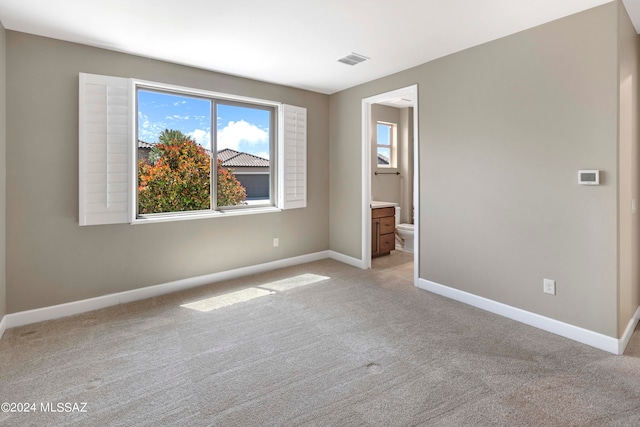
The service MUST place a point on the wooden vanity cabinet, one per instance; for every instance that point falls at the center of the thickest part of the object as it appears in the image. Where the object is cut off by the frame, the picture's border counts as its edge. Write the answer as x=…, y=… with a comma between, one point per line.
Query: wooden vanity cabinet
x=383, y=228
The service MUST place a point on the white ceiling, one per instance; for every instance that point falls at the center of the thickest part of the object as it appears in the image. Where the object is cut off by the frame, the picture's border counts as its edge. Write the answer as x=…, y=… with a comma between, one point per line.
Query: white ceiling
x=289, y=42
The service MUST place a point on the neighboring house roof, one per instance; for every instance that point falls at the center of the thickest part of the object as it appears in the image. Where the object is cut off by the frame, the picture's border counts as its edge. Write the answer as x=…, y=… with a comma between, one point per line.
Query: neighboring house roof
x=383, y=160
x=237, y=159
x=230, y=158
x=147, y=145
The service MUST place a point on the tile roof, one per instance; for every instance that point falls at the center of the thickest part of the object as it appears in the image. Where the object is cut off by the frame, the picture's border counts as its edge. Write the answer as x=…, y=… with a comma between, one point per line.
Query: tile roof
x=230, y=158
x=238, y=159
x=147, y=145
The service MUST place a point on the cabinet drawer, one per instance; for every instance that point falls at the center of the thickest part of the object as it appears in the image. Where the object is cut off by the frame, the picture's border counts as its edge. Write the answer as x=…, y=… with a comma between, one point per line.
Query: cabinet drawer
x=382, y=212
x=387, y=225
x=387, y=242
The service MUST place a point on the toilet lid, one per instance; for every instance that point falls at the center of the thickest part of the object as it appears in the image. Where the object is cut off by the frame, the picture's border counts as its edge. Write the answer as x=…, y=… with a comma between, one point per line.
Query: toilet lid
x=408, y=227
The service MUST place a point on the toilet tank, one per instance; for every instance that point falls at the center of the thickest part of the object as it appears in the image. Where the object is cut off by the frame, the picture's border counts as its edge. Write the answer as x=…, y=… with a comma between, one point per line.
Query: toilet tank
x=397, y=215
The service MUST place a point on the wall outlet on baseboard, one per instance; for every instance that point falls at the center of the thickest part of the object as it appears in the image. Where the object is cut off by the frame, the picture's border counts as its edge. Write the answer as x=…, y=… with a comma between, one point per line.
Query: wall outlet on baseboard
x=276, y=242
x=549, y=286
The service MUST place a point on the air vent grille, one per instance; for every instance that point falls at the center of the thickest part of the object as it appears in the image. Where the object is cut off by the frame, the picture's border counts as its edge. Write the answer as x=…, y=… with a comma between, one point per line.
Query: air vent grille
x=353, y=59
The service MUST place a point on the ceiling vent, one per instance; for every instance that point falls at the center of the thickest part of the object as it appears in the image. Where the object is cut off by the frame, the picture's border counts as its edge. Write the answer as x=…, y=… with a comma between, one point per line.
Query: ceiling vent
x=353, y=59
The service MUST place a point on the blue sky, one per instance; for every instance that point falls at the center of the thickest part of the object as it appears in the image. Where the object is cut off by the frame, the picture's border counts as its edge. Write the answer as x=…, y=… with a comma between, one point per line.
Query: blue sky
x=384, y=134
x=384, y=137
x=238, y=128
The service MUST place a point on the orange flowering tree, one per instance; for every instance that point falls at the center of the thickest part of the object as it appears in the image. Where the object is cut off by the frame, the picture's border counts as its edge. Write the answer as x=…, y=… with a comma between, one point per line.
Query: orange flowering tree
x=230, y=191
x=177, y=178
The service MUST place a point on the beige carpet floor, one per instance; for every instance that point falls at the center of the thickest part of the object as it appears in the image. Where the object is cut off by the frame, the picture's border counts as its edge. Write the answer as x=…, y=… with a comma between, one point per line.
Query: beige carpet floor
x=320, y=344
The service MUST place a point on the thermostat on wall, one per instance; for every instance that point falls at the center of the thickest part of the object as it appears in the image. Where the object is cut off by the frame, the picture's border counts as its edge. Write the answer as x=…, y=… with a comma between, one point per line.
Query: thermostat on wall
x=589, y=177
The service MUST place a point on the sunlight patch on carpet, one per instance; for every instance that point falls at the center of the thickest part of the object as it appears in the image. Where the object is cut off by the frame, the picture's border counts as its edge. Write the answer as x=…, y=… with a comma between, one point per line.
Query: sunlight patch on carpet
x=226, y=300
x=294, y=282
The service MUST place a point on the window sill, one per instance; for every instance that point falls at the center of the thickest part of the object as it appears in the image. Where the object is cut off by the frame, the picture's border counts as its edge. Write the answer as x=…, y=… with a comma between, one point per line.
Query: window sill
x=205, y=215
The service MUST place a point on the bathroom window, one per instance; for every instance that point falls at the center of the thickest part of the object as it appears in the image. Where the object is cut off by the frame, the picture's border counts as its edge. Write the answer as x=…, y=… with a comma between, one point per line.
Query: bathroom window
x=386, y=145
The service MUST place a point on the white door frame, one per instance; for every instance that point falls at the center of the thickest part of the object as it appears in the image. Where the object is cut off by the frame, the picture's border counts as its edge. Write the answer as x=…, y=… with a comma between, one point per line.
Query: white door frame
x=409, y=91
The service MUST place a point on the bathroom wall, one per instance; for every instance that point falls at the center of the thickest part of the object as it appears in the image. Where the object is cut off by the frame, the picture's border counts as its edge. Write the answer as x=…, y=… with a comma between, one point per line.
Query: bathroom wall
x=394, y=188
x=384, y=187
x=405, y=137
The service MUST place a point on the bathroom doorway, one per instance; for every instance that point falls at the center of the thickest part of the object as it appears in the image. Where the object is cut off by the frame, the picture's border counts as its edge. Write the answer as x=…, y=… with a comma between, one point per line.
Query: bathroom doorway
x=390, y=171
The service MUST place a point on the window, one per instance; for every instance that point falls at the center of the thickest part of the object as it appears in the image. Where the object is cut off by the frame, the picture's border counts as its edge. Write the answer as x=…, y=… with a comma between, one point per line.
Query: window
x=184, y=166
x=385, y=145
x=149, y=151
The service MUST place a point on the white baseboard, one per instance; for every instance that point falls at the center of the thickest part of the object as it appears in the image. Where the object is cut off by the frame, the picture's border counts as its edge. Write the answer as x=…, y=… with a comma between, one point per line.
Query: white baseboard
x=628, y=332
x=76, y=307
x=585, y=336
x=3, y=325
x=355, y=262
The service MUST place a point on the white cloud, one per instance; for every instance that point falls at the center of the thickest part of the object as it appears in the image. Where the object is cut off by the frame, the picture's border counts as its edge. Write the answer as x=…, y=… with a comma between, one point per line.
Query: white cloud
x=202, y=137
x=177, y=117
x=235, y=132
x=148, y=131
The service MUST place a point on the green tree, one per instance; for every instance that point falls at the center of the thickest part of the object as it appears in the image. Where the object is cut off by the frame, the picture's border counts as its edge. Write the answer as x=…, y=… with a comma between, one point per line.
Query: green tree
x=177, y=178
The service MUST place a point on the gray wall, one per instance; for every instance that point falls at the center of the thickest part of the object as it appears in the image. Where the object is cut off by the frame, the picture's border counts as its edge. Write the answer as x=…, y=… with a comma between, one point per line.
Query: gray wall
x=629, y=289
x=51, y=260
x=504, y=128
x=3, y=168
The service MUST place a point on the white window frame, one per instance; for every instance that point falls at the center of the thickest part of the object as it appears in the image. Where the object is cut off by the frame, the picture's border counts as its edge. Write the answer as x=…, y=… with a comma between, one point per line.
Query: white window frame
x=289, y=162
x=216, y=99
x=393, y=154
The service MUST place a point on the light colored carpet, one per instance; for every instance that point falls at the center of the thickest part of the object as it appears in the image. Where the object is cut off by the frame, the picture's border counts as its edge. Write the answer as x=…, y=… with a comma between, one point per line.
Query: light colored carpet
x=321, y=344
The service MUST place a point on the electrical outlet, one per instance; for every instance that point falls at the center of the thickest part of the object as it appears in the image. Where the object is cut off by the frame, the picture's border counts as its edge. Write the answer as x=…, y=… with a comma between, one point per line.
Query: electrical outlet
x=549, y=286
x=276, y=242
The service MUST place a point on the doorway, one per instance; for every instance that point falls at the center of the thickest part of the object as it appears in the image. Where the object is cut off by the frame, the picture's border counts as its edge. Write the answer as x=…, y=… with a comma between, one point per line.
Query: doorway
x=401, y=98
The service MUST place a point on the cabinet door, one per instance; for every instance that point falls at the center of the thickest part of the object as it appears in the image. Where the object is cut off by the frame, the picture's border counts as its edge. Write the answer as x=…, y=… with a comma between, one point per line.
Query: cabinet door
x=375, y=226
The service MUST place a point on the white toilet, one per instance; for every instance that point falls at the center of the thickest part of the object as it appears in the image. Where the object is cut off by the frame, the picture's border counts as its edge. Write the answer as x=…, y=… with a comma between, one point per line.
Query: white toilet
x=405, y=231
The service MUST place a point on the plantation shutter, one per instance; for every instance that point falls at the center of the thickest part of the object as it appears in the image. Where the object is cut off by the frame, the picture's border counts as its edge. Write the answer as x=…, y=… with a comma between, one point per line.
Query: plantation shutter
x=105, y=144
x=293, y=158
